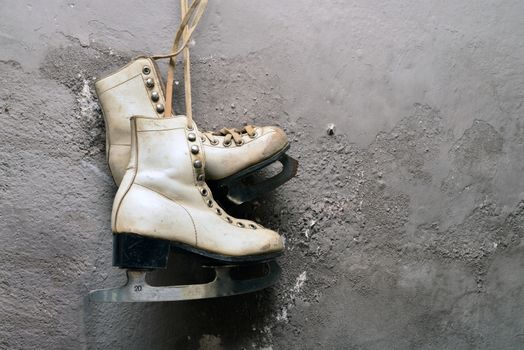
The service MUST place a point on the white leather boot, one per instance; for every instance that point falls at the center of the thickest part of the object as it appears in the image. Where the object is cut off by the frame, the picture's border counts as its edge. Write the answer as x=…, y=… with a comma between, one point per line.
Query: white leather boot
x=163, y=200
x=137, y=89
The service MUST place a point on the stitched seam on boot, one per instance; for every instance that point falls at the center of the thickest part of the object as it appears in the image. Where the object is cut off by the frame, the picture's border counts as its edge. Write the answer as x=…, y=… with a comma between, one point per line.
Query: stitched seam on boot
x=132, y=181
x=133, y=61
x=180, y=205
x=117, y=85
x=160, y=130
x=108, y=141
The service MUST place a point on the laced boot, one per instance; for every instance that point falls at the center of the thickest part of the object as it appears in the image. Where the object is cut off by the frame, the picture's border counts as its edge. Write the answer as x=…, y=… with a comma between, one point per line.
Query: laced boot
x=164, y=201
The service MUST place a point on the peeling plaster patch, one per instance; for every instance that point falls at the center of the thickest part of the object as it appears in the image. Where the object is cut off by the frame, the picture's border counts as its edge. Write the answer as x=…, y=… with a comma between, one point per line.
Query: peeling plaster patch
x=267, y=336
x=209, y=342
x=311, y=224
x=86, y=101
x=297, y=288
x=282, y=315
x=301, y=279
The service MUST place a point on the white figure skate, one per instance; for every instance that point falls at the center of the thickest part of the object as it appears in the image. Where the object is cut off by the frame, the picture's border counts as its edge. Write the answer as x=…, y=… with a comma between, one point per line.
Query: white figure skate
x=163, y=202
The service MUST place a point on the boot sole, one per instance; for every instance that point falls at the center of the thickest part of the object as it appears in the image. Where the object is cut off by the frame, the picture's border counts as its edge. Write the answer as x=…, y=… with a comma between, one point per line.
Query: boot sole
x=139, y=252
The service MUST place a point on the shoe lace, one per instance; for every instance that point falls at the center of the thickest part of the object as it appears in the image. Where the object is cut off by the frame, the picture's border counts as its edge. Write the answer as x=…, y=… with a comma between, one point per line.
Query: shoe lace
x=190, y=18
x=191, y=15
x=230, y=134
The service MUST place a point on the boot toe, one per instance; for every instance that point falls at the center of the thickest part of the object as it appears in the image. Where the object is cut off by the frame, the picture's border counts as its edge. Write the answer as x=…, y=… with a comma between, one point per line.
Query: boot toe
x=275, y=139
x=274, y=242
x=258, y=241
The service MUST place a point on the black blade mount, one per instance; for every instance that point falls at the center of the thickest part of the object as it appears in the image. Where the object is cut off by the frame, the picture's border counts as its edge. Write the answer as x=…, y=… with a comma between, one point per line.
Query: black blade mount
x=238, y=191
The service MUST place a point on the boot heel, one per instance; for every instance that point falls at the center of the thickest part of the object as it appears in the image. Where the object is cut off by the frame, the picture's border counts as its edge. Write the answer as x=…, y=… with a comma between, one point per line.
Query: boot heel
x=138, y=252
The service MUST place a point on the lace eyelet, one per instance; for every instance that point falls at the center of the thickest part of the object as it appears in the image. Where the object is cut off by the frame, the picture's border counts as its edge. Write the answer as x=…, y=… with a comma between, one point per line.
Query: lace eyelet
x=203, y=139
x=241, y=225
x=203, y=192
x=210, y=203
x=228, y=219
x=218, y=211
x=214, y=142
x=239, y=143
x=226, y=144
x=254, y=136
x=252, y=226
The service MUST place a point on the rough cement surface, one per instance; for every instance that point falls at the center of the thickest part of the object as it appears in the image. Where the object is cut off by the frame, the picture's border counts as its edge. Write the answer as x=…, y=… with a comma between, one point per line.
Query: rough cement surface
x=404, y=229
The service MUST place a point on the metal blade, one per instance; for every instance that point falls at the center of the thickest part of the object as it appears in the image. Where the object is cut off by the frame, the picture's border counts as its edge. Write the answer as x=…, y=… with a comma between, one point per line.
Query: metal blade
x=138, y=290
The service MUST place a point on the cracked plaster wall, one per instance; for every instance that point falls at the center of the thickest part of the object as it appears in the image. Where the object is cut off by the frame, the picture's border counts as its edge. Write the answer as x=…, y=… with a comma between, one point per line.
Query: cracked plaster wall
x=403, y=230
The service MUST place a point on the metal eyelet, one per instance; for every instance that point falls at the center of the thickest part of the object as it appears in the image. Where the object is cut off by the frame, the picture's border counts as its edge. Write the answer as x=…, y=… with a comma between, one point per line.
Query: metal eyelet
x=241, y=225
x=203, y=191
x=155, y=96
x=239, y=143
x=146, y=70
x=218, y=211
x=214, y=142
x=228, y=219
x=226, y=144
x=252, y=226
x=201, y=177
x=255, y=135
x=197, y=164
x=210, y=203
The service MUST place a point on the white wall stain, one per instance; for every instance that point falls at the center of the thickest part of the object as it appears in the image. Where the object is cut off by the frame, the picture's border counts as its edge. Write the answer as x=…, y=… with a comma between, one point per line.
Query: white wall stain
x=86, y=101
x=297, y=288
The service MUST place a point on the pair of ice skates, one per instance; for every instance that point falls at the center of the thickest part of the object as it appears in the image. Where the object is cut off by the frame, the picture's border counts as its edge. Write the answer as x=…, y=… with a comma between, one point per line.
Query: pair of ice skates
x=161, y=163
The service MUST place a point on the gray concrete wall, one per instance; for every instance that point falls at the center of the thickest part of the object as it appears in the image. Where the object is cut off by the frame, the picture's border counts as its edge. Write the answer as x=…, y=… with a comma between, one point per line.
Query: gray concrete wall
x=404, y=229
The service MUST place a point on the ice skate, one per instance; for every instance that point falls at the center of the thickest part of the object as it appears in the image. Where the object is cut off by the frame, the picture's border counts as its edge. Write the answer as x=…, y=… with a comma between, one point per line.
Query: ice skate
x=163, y=203
x=233, y=154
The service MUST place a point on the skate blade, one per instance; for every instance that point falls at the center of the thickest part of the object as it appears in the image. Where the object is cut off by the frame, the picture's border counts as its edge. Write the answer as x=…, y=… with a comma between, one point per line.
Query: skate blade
x=239, y=192
x=224, y=284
